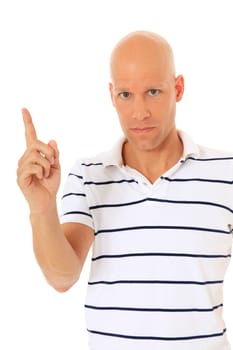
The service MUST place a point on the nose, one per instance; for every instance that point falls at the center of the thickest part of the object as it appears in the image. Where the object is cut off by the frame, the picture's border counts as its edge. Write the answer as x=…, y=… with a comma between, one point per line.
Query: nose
x=140, y=109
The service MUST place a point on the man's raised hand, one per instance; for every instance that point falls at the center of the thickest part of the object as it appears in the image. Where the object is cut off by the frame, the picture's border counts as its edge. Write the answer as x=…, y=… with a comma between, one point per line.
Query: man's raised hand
x=38, y=173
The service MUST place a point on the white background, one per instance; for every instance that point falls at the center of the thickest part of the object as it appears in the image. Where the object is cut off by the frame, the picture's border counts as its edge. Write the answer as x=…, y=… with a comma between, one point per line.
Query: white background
x=54, y=60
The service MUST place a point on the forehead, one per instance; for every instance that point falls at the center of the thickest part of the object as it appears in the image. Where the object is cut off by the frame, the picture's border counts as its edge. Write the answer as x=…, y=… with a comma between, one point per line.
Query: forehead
x=141, y=71
x=141, y=77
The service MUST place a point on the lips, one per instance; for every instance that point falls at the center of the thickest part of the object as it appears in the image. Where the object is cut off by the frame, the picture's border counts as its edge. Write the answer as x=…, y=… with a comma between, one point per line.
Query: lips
x=142, y=130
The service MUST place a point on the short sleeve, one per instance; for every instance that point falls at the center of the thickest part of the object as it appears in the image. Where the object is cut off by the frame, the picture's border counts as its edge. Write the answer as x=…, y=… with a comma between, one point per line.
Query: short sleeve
x=74, y=203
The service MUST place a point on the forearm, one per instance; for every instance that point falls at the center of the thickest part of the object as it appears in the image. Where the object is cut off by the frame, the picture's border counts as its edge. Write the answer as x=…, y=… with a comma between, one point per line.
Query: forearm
x=55, y=255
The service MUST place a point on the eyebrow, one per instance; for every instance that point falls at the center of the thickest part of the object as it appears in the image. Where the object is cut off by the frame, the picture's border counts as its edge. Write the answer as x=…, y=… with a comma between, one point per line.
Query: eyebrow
x=155, y=86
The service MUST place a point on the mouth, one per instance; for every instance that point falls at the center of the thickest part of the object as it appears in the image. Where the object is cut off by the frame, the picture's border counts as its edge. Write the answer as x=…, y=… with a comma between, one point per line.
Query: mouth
x=142, y=130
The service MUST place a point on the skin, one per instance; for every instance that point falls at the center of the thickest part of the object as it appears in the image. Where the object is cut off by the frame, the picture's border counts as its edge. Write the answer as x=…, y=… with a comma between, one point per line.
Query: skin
x=144, y=91
x=59, y=249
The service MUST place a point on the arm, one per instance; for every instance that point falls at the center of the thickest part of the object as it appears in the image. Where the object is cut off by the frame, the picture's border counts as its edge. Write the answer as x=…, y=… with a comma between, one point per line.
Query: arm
x=59, y=249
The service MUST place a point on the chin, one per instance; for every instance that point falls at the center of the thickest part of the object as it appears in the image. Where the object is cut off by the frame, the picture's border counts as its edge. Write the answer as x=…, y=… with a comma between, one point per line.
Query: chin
x=144, y=146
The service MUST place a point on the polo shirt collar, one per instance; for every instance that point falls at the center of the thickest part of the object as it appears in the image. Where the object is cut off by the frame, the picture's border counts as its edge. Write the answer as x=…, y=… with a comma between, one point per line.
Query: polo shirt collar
x=190, y=148
x=113, y=157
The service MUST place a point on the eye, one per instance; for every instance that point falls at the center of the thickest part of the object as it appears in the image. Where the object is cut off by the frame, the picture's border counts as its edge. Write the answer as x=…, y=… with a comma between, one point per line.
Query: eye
x=153, y=92
x=124, y=95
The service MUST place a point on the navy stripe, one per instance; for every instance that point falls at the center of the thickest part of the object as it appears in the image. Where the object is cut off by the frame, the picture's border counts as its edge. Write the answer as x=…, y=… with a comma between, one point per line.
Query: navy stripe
x=106, y=308
x=161, y=228
x=74, y=194
x=109, y=182
x=197, y=179
x=77, y=212
x=115, y=205
x=94, y=207
x=117, y=256
x=91, y=164
x=157, y=338
x=72, y=174
x=209, y=159
x=154, y=282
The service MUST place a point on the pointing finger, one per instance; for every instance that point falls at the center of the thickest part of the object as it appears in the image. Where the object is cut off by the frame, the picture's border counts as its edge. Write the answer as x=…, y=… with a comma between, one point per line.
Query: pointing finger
x=30, y=131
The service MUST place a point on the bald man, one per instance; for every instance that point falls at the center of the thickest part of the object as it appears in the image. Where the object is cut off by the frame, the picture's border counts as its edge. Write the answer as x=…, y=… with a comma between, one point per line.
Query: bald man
x=156, y=210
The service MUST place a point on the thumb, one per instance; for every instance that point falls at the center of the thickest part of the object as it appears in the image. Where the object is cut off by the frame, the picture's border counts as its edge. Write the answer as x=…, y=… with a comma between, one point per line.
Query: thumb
x=53, y=144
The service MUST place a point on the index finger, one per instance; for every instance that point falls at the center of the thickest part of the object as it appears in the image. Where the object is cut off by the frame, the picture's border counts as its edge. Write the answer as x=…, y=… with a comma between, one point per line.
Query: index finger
x=30, y=131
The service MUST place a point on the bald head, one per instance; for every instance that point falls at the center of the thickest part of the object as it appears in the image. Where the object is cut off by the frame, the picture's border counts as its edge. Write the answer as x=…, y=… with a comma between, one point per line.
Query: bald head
x=142, y=50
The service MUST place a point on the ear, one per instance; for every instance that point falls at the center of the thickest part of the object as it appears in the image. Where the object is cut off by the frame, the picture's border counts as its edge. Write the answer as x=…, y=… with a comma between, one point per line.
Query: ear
x=111, y=93
x=179, y=86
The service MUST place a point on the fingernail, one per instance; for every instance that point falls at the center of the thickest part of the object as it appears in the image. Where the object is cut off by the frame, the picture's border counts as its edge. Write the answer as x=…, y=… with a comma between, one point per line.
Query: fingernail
x=52, y=160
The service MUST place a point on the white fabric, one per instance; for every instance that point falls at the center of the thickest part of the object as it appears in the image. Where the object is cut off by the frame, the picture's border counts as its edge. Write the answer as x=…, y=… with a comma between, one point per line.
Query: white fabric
x=161, y=250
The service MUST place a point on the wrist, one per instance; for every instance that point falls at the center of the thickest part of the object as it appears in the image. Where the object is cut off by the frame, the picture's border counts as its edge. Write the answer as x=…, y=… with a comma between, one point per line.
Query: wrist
x=47, y=211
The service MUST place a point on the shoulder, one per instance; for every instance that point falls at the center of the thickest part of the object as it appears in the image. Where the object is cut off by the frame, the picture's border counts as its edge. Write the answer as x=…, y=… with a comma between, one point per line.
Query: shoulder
x=206, y=161
x=193, y=150
x=86, y=167
x=102, y=160
x=208, y=153
x=214, y=163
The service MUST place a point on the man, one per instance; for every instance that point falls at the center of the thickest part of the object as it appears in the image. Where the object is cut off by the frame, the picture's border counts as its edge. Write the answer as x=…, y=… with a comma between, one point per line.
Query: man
x=157, y=209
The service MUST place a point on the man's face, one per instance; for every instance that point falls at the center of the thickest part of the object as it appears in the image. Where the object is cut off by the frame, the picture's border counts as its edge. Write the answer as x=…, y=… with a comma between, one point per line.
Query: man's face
x=145, y=97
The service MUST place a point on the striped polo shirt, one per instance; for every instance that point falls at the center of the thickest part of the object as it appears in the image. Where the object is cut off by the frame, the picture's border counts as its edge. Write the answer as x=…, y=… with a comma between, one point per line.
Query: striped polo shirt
x=160, y=252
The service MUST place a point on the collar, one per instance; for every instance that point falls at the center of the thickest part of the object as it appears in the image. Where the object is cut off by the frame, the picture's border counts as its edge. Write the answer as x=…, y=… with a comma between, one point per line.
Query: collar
x=190, y=148
x=113, y=157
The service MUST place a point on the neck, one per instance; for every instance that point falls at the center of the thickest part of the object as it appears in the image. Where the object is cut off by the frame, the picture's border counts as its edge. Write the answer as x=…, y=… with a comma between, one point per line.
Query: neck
x=153, y=163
